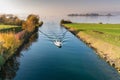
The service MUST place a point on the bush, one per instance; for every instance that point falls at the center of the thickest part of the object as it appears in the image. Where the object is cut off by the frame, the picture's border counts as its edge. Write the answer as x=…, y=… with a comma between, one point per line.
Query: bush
x=9, y=42
x=65, y=21
x=31, y=23
x=100, y=23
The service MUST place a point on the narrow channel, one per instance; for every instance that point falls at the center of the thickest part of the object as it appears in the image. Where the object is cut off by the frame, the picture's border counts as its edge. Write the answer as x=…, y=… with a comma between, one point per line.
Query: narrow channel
x=73, y=61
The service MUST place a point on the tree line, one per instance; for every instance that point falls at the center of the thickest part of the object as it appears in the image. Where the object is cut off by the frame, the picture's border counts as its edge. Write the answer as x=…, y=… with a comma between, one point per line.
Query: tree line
x=9, y=19
x=29, y=24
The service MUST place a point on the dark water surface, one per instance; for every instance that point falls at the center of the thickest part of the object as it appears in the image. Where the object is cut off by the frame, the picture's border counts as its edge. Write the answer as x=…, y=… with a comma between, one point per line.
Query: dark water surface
x=44, y=61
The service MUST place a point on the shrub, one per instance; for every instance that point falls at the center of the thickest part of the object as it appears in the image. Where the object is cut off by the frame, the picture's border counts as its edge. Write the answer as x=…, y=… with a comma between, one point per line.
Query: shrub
x=65, y=21
x=100, y=23
x=10, y=43
x=31, y=23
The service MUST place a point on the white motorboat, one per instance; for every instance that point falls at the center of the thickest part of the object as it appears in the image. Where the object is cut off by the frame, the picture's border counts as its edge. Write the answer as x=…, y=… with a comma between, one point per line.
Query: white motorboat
x=58, y=43
x=56, y=39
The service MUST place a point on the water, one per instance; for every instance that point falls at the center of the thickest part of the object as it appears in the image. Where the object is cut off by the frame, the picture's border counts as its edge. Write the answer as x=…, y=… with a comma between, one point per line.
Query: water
x=42, y=60
x=88, y=19
x=96, y=19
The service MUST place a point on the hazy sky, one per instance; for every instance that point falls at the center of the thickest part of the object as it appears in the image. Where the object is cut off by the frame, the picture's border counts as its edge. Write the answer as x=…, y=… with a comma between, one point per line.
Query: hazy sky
x=58, y=7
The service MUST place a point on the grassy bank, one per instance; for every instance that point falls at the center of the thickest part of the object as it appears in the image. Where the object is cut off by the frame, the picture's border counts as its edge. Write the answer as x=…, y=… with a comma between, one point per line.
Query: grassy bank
x=9, y=28
x=8, y=41
x=106, y=32
x=103, y=38
x=6, y=26
x=12, y=38
x=8, y=36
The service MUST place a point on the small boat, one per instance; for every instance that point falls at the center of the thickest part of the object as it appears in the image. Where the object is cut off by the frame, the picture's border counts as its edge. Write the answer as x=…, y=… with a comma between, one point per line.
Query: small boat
x=58, y=43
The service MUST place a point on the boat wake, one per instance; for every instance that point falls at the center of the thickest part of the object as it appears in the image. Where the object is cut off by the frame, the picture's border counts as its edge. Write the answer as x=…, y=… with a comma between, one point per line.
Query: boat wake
x=57, y=39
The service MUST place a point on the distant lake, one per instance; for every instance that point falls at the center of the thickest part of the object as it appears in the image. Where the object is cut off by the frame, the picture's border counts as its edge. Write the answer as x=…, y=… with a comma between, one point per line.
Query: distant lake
x=87, y=19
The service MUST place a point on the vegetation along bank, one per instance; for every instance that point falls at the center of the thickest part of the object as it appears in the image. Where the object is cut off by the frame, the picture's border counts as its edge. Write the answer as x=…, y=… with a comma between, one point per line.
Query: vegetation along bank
x=103, y=38
x=14, y=33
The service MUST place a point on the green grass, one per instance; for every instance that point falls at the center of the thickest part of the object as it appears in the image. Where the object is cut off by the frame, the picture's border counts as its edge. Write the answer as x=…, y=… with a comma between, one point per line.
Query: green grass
x=8, y=28
x=106, y=32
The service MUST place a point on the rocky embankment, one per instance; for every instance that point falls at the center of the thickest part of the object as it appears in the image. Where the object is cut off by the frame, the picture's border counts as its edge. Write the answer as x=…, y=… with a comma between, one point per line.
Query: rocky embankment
x=109, y=52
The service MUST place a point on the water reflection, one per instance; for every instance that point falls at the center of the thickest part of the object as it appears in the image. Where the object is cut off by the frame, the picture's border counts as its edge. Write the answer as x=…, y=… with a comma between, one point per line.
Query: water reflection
x=32, y=39
x=9, y=69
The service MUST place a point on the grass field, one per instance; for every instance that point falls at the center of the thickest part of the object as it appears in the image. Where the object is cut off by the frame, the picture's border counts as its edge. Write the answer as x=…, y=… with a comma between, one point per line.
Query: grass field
x=5, y=26
x=8, y=28
x=107, y=32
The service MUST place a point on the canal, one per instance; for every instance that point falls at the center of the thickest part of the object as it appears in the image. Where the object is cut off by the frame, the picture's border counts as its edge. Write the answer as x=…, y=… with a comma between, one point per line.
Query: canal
x=43, y=60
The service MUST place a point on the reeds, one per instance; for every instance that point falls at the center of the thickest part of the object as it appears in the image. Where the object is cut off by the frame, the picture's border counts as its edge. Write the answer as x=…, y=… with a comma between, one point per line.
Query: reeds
x=9, y=43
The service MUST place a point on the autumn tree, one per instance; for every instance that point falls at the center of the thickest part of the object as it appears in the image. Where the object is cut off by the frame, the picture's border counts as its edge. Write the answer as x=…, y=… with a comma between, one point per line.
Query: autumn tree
x=31, y=23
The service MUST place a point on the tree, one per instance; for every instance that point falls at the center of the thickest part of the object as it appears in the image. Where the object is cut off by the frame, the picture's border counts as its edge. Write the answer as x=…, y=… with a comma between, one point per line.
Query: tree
x=31, y=23
x=10, y=20
x=2, y=19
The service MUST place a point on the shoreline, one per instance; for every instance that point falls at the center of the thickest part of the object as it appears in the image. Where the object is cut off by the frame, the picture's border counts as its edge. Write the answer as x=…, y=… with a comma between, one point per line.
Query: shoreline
x=25, y=41
x=103, y=49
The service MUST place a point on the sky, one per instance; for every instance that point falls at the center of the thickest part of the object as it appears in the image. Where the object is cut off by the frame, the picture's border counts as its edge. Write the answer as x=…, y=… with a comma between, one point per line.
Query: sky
x=58, y=7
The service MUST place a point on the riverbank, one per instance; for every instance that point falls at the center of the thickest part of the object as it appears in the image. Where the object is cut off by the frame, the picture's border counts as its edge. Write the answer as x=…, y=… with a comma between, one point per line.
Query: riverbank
x=103, y=38
x=13, y=62
x=19, y=40
x=12, y=39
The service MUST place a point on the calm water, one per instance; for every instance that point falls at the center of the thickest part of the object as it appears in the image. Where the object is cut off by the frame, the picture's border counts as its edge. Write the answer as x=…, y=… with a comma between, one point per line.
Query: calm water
x=42, y=60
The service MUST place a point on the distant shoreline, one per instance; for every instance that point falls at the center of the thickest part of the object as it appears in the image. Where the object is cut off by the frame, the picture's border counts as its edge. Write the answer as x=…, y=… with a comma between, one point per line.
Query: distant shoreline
x=90, y=14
